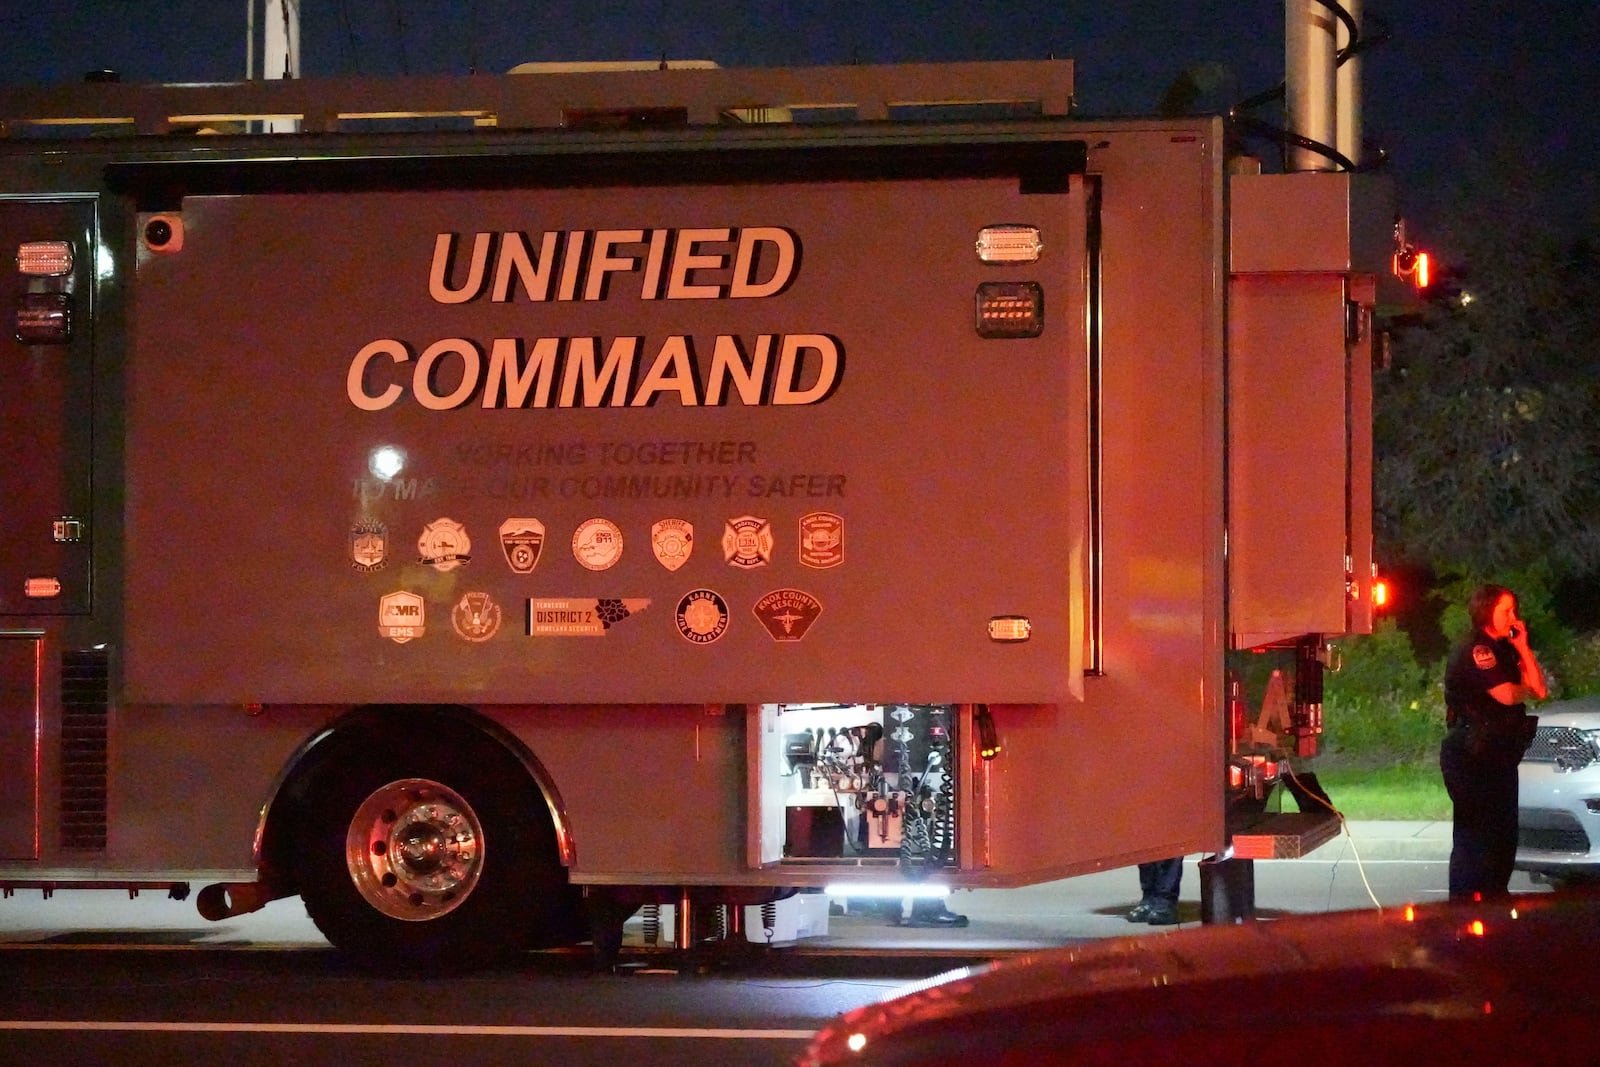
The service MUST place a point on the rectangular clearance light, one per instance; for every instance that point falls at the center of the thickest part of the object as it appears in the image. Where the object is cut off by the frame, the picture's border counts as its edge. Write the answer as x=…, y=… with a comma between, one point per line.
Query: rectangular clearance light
x=1010, y=628
x=1010, y=309
x=1009, y=244
x=44, y=319
x=44, y=259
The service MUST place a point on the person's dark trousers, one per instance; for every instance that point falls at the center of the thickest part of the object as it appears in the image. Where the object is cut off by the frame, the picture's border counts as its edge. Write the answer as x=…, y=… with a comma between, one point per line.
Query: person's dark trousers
x=1483, y=792
x=1159, y=880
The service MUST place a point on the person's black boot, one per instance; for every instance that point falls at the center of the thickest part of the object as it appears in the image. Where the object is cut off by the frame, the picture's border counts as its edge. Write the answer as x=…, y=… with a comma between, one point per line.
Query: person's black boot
x=1163, y=913
x=931, y=912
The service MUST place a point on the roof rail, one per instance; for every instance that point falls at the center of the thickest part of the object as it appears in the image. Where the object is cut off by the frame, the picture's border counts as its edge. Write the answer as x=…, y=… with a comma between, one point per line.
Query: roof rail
x=705, y=96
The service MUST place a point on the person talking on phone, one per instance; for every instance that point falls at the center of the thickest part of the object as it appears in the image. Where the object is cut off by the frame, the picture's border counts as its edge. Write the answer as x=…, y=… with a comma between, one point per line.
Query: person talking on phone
x=1487, y=684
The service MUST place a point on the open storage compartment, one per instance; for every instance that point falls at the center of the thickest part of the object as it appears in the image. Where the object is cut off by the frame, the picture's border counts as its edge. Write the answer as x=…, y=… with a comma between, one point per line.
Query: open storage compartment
x=856, y=785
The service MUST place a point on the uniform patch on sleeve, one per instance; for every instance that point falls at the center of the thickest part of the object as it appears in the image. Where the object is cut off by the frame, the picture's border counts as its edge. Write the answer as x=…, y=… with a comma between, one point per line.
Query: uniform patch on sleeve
x=1483, y=656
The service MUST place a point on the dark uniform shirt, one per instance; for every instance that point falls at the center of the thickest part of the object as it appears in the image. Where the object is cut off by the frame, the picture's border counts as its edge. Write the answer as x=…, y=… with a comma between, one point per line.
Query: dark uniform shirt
x=1478, y=666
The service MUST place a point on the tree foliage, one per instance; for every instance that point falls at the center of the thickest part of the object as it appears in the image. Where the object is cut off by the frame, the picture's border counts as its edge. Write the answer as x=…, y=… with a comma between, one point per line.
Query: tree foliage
x=1487, y=425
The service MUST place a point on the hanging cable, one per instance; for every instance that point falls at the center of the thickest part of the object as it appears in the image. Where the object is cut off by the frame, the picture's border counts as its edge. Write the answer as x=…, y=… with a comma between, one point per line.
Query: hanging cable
x=1244, y=126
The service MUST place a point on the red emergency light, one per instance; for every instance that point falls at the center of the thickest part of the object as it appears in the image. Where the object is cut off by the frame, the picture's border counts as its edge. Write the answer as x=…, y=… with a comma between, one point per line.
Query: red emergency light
x=1410, y=263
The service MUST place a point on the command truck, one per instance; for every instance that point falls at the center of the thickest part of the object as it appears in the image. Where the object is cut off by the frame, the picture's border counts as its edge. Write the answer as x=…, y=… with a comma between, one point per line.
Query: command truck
x=498, y=497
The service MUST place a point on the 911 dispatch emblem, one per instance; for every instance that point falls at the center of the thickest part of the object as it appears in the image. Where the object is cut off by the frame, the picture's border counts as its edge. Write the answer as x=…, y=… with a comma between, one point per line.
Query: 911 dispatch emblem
x=788, y=613
x=597, y=544
x=821, y=539
x=747, y=541
x=702, y=616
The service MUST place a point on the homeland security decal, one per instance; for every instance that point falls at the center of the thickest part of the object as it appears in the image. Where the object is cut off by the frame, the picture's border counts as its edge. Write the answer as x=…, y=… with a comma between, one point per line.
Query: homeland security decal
x=574, y=617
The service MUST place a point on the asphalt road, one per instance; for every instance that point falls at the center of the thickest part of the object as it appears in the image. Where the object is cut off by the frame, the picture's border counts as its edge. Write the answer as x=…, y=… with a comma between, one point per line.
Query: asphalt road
x=97, y=978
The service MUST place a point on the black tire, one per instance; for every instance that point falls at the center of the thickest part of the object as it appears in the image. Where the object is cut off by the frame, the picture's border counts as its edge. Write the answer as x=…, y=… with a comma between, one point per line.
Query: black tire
x=427, y=853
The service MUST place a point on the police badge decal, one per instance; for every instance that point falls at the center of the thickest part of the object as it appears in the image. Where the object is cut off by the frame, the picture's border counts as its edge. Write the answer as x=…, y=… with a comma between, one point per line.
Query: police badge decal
x=672, y=540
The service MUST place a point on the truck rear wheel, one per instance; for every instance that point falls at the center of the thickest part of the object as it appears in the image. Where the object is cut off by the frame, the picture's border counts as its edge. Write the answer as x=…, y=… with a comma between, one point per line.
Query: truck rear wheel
x=430, y=854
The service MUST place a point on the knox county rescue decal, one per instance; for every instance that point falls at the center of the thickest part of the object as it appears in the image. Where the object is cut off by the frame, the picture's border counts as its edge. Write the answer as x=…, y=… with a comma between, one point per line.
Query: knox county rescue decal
x=752, y=263
x=787, y=613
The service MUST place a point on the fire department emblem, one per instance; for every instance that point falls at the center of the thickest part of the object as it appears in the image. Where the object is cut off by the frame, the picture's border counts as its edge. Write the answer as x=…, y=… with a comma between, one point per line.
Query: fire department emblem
x=444, y=545
x=1483, y=657
x=521, y=540
x=702, y=616
x=400, y=616
x=788, y=613
x=369, y=546
x=476, y=617
x=747, y=541
x=672, y=540
x=597, y=544
x=821, y=539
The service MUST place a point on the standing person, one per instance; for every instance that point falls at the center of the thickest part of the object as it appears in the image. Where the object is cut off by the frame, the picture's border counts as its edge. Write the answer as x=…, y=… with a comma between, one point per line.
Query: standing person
x=1158, y=887
x=1486, y=686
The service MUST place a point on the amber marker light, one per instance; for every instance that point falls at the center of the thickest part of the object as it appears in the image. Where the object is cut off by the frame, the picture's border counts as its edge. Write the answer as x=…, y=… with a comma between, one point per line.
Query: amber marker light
x=44, y=259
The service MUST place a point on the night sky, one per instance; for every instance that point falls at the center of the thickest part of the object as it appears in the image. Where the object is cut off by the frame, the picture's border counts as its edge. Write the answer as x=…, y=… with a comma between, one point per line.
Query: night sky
x=1460, y=80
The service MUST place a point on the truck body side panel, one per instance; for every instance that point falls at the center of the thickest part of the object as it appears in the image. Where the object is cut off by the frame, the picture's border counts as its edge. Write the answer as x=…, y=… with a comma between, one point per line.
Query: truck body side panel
x=931, y=460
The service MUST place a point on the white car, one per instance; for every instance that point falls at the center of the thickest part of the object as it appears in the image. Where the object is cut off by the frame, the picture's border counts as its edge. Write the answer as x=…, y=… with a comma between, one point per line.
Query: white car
x=1558, y=804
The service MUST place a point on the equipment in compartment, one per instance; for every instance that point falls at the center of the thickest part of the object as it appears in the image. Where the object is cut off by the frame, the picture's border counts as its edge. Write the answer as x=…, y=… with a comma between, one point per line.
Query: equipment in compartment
x=869, y=780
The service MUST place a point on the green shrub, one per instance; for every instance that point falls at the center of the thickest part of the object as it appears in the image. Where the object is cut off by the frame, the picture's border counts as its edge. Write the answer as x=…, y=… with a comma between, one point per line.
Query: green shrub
x=1577, y=668
x=1382, y=706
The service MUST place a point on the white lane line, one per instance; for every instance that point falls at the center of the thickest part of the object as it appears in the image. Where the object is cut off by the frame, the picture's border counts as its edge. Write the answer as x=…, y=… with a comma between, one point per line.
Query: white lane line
x=380, y=1029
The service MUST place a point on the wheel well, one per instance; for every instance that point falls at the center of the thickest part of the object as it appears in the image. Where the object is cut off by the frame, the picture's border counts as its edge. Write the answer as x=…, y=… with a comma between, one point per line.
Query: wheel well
x=326, y=751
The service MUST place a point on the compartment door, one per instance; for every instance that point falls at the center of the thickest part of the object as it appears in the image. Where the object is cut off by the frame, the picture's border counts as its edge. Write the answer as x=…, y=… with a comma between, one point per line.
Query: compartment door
x=45, y=413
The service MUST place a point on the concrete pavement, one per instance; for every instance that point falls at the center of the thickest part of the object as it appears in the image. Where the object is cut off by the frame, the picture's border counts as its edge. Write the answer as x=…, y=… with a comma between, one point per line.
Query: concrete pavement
x=1373, y=864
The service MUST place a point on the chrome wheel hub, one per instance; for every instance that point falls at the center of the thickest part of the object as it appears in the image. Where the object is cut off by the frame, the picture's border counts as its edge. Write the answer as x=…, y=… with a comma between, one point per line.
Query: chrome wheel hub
x=415, y=849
